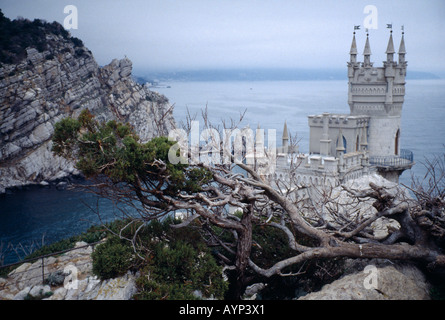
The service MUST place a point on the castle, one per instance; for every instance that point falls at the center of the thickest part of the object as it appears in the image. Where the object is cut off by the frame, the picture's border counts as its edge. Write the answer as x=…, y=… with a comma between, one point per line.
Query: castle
x=348, y=146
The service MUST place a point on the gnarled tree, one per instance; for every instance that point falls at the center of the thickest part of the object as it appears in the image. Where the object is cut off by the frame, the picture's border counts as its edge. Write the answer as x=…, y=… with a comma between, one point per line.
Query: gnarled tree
x=140, y=175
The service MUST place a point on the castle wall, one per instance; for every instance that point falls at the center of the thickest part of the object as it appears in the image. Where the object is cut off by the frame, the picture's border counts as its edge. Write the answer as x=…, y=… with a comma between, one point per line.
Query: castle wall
x=382, y=136
x=351, y=128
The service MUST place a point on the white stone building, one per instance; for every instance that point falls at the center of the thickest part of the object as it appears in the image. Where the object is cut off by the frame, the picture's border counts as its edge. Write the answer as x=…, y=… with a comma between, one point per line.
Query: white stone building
x=348, y=146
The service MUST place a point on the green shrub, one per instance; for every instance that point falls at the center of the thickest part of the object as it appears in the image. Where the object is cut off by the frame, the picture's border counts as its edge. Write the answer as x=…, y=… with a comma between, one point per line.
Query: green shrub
x=158, y=290
x=17, y=35
x=177, y=263
x=112, y=258
x=77, y=42
x=176, y=270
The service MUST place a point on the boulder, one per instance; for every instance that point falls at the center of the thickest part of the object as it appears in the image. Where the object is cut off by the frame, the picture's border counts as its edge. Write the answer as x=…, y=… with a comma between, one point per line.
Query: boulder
x=39, y=292
x=121, y=288
x=386, y=282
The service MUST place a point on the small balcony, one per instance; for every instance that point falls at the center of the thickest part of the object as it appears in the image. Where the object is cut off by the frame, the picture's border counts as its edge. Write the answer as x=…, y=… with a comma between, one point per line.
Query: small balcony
x=403, y=161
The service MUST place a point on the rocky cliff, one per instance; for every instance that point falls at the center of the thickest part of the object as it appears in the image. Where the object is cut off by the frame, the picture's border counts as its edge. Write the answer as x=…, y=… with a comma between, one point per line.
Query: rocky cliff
x=57, y=80
x=68, y=277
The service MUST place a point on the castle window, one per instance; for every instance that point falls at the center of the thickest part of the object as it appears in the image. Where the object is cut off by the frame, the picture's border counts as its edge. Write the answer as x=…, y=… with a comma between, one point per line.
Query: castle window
x=357, y=144
x=396, y=143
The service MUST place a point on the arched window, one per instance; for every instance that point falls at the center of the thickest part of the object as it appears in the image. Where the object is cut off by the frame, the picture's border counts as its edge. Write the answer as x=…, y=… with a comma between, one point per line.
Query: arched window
x=357, y=144
x=396, y=143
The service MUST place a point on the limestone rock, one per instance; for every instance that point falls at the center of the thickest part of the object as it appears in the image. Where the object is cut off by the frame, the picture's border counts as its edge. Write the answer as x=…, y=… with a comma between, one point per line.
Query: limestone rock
x=68, y=277
x=122, y=288
x=376, y=283
x=60, y=82
x=22, y=294
x=251, y=291
x=40, y=291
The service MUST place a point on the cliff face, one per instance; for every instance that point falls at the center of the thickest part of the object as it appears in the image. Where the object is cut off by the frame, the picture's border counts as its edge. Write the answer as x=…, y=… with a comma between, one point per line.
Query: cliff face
x=58, y=82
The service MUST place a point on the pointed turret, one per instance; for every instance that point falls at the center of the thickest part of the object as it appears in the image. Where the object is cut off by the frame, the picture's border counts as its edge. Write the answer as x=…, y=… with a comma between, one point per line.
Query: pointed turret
x=340, y=145
x=353, y=51
x=402, y=50
x=390, y=49
x=285, y=132
x=353, y=45
x=352, y=64
x=389, y=72
x=285, y=138
x=367, y=52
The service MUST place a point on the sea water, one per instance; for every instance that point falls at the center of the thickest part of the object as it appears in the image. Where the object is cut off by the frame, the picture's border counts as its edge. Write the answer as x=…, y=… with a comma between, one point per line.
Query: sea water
x=37, y=215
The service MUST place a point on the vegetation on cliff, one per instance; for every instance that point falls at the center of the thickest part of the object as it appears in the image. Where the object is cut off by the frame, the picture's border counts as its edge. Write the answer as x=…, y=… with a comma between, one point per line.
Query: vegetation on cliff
x=321, y=230
x=47, y=75
x=17, y=35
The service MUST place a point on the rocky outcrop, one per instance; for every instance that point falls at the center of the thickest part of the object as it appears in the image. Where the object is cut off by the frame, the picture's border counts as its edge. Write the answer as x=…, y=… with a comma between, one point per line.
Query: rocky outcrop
x=384, y=281
x=66, y=277
x=60, y=82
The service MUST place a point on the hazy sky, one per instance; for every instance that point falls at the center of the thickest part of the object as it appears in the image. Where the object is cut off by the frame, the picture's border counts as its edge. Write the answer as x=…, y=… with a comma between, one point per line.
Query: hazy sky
x=190, y=34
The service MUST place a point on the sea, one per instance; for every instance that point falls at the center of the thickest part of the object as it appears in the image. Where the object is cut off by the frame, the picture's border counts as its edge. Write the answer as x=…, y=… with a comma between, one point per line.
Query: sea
x=34, y=215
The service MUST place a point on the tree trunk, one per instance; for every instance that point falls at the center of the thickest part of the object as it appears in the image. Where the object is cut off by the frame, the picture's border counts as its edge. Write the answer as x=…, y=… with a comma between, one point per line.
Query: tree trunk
x=243, y=250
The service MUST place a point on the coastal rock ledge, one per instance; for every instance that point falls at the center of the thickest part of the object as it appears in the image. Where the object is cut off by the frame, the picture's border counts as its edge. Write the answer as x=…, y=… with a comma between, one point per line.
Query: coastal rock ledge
x=70, y=277
x=67, y=277
x=378, y=280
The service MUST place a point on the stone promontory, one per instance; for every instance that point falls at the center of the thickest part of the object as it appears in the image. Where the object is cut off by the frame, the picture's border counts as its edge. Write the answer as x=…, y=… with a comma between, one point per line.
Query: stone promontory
x=60, y=80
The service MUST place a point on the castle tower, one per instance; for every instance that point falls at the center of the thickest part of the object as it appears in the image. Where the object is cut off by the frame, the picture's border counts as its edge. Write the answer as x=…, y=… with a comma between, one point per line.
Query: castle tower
x=379, y=93
x=348, y=146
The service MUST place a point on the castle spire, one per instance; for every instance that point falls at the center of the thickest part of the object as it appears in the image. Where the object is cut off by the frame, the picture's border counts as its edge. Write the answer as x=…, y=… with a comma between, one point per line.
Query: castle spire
x=367, y=52
x=390, y=49
x=285, y=138
x=340, y=145
x=285, y=132
x=353, y=51
x=402, y=50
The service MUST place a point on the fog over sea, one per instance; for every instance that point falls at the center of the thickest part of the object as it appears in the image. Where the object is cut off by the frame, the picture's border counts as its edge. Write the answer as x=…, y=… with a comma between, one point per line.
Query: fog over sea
x=27, y=216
